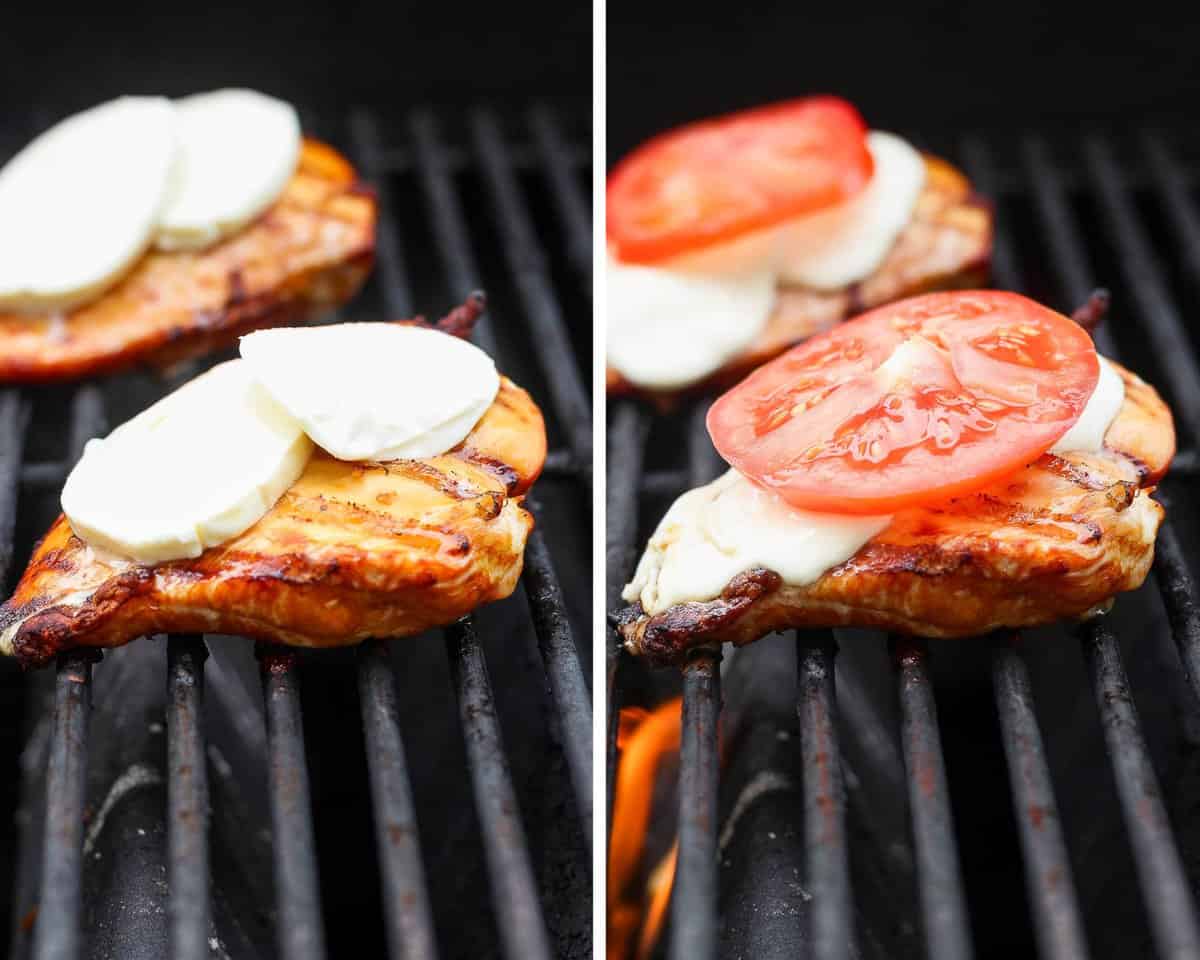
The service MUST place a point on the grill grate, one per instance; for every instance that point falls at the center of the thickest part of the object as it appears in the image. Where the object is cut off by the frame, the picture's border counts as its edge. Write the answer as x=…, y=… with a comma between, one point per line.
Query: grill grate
x=58, y=933
x=1056, y=916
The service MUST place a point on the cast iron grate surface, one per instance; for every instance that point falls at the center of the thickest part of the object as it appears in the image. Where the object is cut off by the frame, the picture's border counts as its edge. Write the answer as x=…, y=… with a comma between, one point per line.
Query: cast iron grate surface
x=1076, y=747
x=369, y=799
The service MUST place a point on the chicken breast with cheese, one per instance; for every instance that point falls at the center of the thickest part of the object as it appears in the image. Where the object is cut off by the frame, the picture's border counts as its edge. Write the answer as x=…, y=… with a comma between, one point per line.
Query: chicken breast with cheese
x=1054, y=540
x=350, y=550
x=311, y=250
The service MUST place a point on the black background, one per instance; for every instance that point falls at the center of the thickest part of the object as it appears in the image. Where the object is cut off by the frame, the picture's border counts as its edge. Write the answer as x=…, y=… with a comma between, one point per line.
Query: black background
x=930, y=67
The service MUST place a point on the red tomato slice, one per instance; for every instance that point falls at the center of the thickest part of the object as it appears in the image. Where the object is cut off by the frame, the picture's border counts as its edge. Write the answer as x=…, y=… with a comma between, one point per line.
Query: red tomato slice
x=711, y=181
x=914, y=402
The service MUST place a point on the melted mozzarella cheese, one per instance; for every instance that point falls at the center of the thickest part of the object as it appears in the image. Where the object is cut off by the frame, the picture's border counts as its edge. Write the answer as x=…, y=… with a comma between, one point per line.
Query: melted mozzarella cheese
x=188, y=473
x=835, y=248
x=1087, y=433
x=375, y=391
x=672, y=325
x=237, y=151
x=79, y=204
x=670, y=328
x=715, y=532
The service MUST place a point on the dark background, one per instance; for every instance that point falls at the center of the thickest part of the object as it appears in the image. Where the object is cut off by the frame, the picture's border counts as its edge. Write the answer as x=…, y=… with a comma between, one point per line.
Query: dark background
x=322, y=54
x=929, y=67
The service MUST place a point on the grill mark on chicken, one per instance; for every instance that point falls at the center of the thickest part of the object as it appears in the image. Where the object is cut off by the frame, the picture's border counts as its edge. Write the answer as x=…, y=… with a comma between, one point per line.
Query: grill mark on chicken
x=350, y=551
x=1054, y=541
x=309, y=251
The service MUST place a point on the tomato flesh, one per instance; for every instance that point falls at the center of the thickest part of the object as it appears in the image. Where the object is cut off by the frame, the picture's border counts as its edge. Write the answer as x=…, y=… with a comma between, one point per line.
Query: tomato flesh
x=914, y=402
x=712, y=181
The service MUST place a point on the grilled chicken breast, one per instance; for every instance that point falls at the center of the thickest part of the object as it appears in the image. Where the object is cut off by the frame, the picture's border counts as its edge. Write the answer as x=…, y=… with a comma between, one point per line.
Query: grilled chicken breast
x=351, y=551
x=1052, y=541
x=309, y=251
x=946, y=246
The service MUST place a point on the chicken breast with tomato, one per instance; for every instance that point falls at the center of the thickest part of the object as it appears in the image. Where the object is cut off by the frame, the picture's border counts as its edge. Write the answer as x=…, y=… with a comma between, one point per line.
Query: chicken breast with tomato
x=941, y=467
x=732, y=239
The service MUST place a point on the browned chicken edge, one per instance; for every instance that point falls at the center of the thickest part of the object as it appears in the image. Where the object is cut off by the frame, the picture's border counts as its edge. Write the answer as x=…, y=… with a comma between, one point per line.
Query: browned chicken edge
x=1004, y=557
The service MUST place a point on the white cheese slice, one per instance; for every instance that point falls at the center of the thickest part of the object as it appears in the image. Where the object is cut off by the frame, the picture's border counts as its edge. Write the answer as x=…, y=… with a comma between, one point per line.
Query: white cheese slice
x=1087, y=433
x=188, y=473
x=237, y=151
x=713, y=533
x=837, y=247
x=79, y=204
x=375, y=391
x=668, y=328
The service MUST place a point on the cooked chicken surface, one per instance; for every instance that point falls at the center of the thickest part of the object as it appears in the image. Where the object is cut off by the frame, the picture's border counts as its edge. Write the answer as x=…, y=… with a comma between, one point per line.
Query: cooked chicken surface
x=1056, y=540
x=351, y=551
x=946, y=246
x=311, y=250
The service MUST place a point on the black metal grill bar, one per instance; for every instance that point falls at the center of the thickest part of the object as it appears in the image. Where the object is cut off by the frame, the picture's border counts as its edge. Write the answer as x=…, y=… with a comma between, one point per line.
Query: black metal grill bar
x=939, y=876
x=1057, y=921
x=561, y=659
x=824, y=796
x=1166, y=893
x=573, y=208
x=14, y=418
x=694, y=898
x=456, y=159
x=301, y=932
x=58, y=934
x=518, y=911
x=1172, y=183
x=627, y=429
x=390, y=263
x=1160, y=316
x=187, y=799
x=981, y=168
x=528, y=265
x=1180, y=600
x=405, y=891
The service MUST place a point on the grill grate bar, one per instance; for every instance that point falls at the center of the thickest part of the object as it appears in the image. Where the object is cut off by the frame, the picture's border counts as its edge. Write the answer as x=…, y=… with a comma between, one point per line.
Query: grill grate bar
x=573, y=209
x=389, y=260
x=187, y=799
x=405, y=892
x=528, y=265
x=1160, y=315
x=518, y=911
x=694, y=898
x=298, y=903
x=1180, y=599
x=58, y=934
x=14, y=419
x=939, y=875
x=1057, y=921
x=561, y=659
x=1172, y=183
x=449, y=222
x=1165, y=890
x=824, y=795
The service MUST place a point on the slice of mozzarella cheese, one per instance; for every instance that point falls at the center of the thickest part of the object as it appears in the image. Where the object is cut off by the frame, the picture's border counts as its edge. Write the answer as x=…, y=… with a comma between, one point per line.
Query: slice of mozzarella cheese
x=670, y=328
x=1087, y=433
x=237, y=151
x=79, y=204
x=715, y=532
x=838, y=247
x=375, y=391
x=190, y=472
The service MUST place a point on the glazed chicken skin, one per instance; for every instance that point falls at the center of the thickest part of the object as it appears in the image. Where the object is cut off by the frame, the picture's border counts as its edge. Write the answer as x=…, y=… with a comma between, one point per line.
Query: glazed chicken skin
x=1054, y=540
x=311, y=250
x=946, y=246
x=350, y=551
